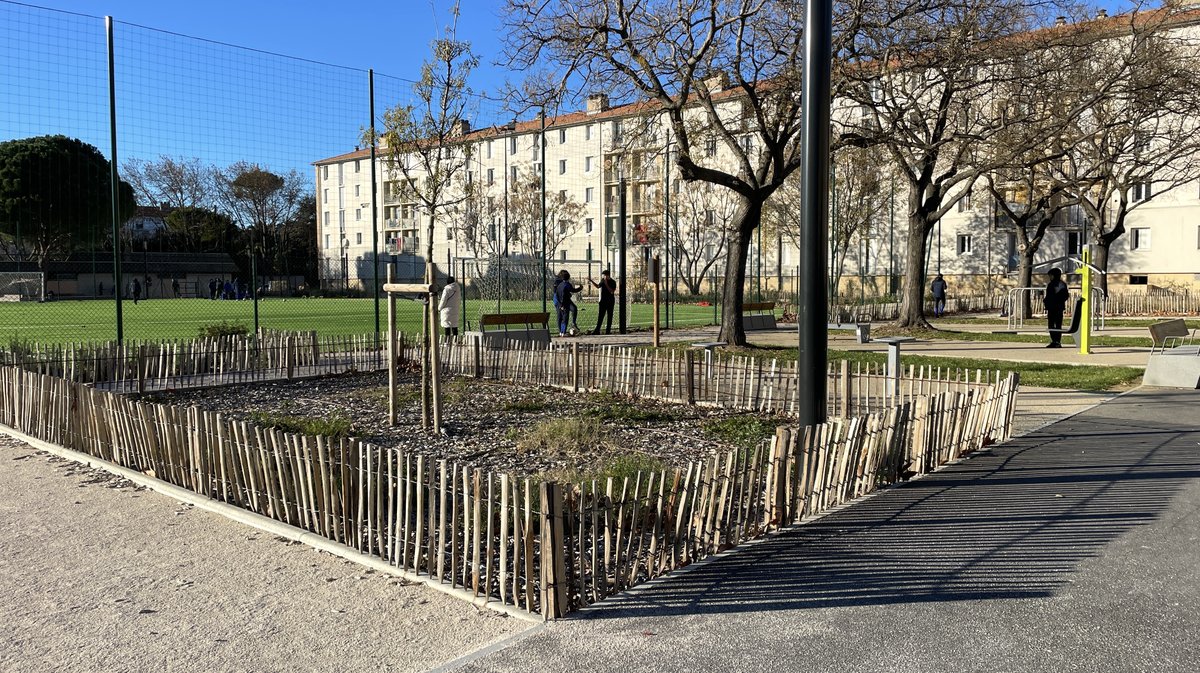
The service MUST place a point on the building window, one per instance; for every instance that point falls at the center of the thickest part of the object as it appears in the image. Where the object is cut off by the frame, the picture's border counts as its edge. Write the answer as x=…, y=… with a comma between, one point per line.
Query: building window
x=358, y=213
x=470, y=177
x=1139, y=238
x=562, y=166
x=710, y=147
x=588, y=194
x=512, y=145
x=587, y=133
x=357, y=168
x=356, y=189
x=1139, y=280
x=1142, y=191
x=491, y=176
x=328, y=221
x=1074, y=242
x=587, y=164
x=587, y=226
x=616, y=131
x=562, y=255
x=325, y=175
x=449, y=234
x=325, y=196
x=562, y=136
x=562, y=196
x=513, y=179
x=964, y=203
x=489, y=148
x=358, y=238
x=964, y=244
x=326, y=241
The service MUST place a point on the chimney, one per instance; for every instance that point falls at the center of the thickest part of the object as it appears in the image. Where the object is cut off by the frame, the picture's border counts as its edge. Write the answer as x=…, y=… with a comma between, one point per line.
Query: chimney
x=718, y=81
x=459, y=128
x=1060, y=21
x=1102, y=14
x=597, y=103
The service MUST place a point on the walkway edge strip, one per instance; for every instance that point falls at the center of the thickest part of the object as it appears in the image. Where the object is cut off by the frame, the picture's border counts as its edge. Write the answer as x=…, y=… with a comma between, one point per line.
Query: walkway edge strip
x=265, y=524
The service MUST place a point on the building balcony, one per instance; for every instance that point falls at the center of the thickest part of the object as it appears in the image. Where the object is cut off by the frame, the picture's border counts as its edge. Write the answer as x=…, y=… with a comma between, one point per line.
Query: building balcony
x=400, y=223
x=408, y=245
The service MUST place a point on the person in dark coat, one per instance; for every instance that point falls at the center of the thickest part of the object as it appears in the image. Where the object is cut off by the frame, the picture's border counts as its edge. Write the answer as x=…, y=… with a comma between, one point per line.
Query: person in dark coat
x=938, y=288
x=567, y=310
x=137, y=290
x=608, y=298
x=1055, y=301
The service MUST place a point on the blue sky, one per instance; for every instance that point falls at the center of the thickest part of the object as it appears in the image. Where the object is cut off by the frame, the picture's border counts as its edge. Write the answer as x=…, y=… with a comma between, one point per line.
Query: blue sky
x=391, y=37
x=282, y=84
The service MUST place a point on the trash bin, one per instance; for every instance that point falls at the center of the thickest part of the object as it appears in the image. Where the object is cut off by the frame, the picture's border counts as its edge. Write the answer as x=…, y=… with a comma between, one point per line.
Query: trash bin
x=862, y=331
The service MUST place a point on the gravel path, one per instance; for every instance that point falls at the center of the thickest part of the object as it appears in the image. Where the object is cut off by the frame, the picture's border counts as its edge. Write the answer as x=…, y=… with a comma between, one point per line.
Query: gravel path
x=99, y=575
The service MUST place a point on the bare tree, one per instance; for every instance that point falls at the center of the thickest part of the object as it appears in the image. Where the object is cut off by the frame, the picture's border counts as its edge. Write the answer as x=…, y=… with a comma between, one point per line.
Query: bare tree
x=562, y=212
x=925, y=83
x=699, y=231
x=170, y=183
x=856, y=202
x=720, y=73
x=1143, y=139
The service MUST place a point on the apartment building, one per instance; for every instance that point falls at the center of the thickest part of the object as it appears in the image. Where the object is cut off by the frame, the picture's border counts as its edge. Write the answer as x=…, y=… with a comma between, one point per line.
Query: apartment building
x=583, y=157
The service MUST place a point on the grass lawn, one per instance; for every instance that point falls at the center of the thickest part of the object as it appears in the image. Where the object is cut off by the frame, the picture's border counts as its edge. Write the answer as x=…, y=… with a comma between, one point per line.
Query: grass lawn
x=1069, y=377
x=84, y=320
x=947, y=331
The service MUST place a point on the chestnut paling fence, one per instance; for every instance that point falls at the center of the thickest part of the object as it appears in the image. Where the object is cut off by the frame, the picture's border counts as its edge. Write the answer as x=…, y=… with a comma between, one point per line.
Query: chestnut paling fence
x=730, y=381
x=544, y=547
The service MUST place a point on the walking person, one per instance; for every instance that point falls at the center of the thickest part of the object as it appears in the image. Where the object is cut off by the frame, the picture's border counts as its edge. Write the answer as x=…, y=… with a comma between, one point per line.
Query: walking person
x=212, y=289
x=449, y=305
x=137, y=290
x=175, y=287
x=939, y=287
x=608, y=299
x=558, y=310
x=1055, y=301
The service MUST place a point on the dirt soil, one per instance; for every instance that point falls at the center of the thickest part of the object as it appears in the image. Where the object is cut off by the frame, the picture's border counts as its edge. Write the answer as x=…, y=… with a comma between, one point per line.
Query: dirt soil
x=490, y=424
x=99, y=575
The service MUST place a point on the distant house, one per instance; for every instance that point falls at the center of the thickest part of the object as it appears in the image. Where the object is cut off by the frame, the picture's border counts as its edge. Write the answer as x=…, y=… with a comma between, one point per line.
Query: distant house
x=146, y=223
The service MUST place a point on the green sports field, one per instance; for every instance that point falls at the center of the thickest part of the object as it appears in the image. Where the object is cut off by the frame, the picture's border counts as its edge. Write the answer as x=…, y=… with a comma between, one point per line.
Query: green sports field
x=87, y=320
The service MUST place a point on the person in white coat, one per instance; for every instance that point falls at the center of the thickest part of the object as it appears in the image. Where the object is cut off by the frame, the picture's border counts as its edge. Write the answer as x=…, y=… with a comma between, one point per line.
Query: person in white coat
x=450, y=305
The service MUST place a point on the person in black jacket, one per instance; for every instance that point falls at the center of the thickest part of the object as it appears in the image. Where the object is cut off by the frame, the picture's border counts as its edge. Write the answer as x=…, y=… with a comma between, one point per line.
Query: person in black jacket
x=608, y=298
x=1055, y=301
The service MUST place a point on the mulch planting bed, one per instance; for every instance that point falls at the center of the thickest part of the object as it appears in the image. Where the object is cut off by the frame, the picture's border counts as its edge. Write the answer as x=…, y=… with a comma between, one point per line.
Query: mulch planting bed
x=497, y=426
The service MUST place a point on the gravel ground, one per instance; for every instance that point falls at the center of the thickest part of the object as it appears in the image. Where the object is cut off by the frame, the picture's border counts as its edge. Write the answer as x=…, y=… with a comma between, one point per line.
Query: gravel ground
x=486, y=423
x=99, y=575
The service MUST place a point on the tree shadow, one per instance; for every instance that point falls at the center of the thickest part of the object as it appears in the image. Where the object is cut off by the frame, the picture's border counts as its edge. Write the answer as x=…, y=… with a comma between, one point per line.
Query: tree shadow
x=1013, y=522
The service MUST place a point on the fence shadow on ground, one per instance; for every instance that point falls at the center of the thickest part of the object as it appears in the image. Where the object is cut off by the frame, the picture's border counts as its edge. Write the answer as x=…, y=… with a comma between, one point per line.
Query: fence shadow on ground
x=1014, y=522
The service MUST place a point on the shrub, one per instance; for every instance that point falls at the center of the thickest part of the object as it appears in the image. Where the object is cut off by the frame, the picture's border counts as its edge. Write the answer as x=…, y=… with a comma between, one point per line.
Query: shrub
x=224, y=328
x=336, y=426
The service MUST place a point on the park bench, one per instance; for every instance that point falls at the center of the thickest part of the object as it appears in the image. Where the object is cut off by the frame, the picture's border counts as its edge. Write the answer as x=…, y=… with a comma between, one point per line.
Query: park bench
x=1170, y=333
x=758, y=315
x=497, y=329
x=1072, y=332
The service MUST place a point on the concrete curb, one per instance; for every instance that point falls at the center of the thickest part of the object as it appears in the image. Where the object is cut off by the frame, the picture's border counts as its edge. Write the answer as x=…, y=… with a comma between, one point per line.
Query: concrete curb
x=265, y=524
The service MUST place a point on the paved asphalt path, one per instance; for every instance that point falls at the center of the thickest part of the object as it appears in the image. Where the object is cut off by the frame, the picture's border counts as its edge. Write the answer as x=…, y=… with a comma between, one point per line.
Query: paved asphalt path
x=1075, y=548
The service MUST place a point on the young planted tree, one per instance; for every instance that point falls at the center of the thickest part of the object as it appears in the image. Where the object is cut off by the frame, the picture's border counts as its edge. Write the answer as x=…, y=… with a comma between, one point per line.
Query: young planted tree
x=55, y=192
x=721, y=74
x=424, y=147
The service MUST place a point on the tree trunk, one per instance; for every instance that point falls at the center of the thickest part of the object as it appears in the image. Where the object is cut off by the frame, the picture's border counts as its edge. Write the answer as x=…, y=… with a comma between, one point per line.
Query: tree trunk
x=1100, y=261
x=1025, y=279
x=745, y=221
x=912, y=305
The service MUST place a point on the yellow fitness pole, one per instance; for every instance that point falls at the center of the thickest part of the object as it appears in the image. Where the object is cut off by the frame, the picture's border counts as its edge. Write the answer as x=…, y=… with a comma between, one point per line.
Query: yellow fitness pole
x=1085, y=316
